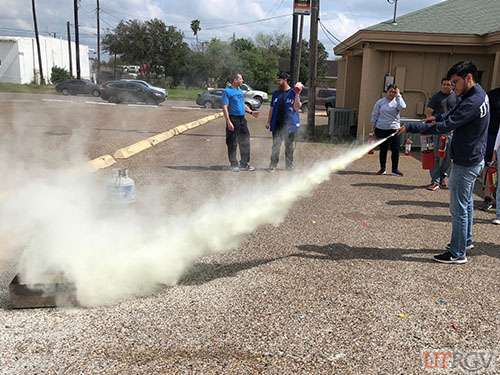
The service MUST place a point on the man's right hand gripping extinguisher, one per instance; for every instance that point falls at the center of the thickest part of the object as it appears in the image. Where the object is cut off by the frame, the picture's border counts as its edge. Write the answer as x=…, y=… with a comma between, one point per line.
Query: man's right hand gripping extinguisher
x=371, y=139
x=442, y=144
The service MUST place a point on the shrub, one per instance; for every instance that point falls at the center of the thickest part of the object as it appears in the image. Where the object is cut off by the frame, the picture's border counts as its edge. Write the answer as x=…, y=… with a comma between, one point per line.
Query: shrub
x=59, y=75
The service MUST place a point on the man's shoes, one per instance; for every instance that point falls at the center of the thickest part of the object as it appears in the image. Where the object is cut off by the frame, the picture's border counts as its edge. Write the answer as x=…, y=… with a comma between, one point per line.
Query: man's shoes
x=469, y=247
x=448, y=257
x=235, y=169
x=443, y=184
x=432, y=186
x=291, y=169
x=247, y=168
x=382, y=171
x=397, y=172
x=487, y=204
x=496, y=220
x=271, y=169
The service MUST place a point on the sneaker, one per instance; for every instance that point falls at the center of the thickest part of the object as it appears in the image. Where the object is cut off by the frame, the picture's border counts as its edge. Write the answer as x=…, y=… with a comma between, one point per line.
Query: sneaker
x=448, y=257
x=487, y=204
x=432, y=186
x=470, y=247
x=271, y=169
x=235, y=169
x=382, y=171
x=291, y=169
x=397, y=172
x=248, y=168
x=443, y=184
x=496, y=220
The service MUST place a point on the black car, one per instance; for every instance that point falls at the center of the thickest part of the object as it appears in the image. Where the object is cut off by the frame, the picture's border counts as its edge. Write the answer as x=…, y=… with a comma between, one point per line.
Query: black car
x=331, y=101
x=78, y=86
x=212, y=98
x=132, y=92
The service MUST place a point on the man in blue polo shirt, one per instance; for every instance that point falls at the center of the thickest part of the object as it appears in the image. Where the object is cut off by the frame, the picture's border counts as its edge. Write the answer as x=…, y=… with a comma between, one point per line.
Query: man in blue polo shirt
x=237, y=134
x=469, y=121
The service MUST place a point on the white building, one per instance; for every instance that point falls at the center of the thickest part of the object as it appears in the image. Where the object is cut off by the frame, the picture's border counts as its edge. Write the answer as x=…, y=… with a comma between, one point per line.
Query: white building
x=19, y=58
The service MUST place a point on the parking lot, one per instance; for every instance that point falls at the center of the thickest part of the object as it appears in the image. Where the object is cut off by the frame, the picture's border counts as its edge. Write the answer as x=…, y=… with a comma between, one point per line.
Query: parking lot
x=342, y=283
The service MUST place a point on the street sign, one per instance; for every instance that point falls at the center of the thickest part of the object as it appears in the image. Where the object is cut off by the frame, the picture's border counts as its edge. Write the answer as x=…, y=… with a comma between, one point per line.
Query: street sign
x=302, y=7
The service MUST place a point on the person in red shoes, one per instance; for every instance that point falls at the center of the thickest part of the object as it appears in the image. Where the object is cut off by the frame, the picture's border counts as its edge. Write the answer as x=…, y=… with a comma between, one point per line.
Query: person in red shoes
x=441, y=102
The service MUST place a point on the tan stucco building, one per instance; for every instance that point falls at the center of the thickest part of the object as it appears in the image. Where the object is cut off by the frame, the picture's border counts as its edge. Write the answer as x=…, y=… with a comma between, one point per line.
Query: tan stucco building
x=416, y=53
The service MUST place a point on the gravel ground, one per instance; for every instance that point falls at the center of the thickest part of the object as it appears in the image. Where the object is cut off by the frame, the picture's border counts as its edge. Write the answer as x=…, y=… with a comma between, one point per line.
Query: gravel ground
x=321, y=293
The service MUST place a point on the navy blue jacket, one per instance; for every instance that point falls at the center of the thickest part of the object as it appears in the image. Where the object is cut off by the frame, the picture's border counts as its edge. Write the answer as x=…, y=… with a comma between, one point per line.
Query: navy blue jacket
x=291, y=115
x=468, y=120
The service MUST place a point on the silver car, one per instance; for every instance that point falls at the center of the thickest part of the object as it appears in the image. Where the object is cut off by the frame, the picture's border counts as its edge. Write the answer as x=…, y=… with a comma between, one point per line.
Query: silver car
x=212, y=98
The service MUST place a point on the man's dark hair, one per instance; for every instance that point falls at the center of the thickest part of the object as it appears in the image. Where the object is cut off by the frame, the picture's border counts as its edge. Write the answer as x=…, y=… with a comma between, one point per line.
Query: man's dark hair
x=391, y=86
x=234, y=76
x=445, y=79
x=463, y=68
x=283, y=75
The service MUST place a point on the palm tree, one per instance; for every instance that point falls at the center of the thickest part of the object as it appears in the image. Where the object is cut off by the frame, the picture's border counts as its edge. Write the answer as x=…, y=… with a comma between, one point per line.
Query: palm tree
x=195, y=26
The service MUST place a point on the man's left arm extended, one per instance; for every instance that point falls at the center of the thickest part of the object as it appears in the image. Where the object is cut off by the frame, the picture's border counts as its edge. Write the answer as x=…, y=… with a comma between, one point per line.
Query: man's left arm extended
x=253, y=113
x=442, y=125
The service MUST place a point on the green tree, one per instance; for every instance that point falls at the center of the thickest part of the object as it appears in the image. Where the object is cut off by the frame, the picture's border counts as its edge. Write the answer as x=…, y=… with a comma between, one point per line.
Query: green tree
x=304, y=61
x=153, y=43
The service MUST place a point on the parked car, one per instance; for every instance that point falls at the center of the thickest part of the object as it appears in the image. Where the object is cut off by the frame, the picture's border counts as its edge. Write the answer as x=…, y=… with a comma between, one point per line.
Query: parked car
x=321, y=95
x=331, y=101
x=147, y=84
x=130, y=91
x=78, y=86
x=212, y=98
x=261, y=96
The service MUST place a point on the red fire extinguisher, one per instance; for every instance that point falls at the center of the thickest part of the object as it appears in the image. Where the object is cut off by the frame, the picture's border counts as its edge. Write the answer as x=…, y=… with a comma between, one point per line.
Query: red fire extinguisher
x=492, y=178
x=427, y=148
x=442, y=144
x=370, y=141
x=408, y=147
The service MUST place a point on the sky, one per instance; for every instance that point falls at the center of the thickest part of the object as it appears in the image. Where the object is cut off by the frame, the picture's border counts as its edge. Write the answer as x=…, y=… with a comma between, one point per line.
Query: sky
x=218, y=18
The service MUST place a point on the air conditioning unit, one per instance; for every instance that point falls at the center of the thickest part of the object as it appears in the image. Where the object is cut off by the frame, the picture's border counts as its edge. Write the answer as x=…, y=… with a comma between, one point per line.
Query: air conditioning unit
x=342, y=122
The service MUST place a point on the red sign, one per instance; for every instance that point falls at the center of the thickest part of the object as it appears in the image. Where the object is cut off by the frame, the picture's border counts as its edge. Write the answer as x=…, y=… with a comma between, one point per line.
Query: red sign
x=302, y=7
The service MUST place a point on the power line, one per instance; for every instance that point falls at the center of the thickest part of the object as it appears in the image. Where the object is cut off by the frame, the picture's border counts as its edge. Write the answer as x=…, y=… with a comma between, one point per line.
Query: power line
x=247, y=23
x=270, y=10
x=328, y=31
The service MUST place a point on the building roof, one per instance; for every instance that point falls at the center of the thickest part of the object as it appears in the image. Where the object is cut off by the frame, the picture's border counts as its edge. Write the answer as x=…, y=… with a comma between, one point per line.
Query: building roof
x=479, y=17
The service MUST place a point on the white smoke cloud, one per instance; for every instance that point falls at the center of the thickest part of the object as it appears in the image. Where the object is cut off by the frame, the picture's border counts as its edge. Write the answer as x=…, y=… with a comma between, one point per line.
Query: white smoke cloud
x=63, y=224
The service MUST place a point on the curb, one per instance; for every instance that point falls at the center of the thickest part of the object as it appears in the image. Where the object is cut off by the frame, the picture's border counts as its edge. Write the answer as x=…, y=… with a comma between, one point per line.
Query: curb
x=106, y=161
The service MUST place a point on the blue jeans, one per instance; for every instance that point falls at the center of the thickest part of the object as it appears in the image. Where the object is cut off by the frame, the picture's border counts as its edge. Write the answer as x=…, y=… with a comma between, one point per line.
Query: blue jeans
x=438, y=173
x=462, y=181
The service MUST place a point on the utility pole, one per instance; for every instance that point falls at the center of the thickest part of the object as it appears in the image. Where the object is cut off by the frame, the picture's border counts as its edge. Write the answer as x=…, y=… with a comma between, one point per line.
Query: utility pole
x=299, y=55
x=42, y=81
x=313, y=60
x=293, y=53
x=98, y=45
x=69, y=48
x=77, y=41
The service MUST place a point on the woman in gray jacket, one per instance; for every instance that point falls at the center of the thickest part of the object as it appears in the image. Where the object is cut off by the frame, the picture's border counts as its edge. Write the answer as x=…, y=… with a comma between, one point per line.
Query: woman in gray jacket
x=385, y=121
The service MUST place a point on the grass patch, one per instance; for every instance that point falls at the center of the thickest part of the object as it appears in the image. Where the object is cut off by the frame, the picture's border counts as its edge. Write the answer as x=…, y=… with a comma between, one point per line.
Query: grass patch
x=27, y=88
x=183, y=94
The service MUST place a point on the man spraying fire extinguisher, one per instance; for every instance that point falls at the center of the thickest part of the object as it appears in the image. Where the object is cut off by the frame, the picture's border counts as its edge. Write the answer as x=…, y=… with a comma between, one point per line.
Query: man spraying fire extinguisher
x=469, y=122
x=441, y=102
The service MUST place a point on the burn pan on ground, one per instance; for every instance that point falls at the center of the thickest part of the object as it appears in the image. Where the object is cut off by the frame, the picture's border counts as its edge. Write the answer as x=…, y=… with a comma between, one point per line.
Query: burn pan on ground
x=52, y=291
